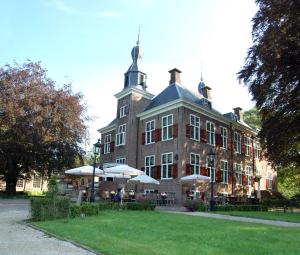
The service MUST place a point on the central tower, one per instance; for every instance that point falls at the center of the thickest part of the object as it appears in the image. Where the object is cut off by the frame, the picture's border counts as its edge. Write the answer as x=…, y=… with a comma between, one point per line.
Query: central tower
x=134, y=77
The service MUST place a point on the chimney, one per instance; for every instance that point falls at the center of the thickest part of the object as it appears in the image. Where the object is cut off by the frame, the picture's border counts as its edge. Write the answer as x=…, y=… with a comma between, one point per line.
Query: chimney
x=175, y=76
x=238, y=111
x=207, y=92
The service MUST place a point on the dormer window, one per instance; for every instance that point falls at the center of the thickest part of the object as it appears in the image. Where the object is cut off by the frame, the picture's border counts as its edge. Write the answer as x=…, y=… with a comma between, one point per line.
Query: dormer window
x=122, y=111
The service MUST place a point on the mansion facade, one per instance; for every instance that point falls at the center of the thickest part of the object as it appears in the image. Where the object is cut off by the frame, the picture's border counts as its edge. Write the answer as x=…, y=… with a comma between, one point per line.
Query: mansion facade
x=169, y=136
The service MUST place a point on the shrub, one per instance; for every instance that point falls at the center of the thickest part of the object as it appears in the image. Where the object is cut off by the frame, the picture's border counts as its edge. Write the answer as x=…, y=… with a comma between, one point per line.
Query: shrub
x=195, y=206
x=90, y=209
x=241, y=208
x=280, y=203
x=139, y=206
x=44, y=208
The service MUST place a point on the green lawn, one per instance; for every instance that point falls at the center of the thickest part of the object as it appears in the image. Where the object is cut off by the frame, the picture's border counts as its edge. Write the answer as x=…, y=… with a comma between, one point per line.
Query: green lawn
x=293, y=217
x=132, y=232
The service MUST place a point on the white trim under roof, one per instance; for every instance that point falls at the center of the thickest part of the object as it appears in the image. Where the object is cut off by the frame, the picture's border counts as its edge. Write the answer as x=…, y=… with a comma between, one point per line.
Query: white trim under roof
x=181, y=102
x=130, y=90
x=107, y=129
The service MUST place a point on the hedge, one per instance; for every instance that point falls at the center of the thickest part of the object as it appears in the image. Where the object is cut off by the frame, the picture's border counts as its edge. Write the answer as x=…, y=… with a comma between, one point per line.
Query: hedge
x=45, y=208
x=280, y=202
x=195, y=206
x=137, y=206
x=240, y=208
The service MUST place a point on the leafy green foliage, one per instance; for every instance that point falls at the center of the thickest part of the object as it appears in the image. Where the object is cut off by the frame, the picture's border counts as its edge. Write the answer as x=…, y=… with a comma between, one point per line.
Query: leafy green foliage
x=138, y=206
x=272, y=73
x=41, y=126
x=195, y=206
x=241, y=208
x=252, y=118
x=289, y=180
x=45, y=208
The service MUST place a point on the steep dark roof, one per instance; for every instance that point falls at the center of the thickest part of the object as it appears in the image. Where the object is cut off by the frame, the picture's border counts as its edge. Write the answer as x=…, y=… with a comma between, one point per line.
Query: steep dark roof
x=173, y=92
x=176, y=91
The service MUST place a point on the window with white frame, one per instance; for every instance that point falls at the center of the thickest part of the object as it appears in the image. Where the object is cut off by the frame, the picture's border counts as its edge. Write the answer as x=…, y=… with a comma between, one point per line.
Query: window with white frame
x=122, y=111
x=166, y=165
x=121, y=160
x=195, y=127
x=20, y=183
x=239, y=173
x=195, y=163
x=247, y=142
x=224, y=170
x=150, y=127
x=107, y=140
x=237, y=141
x=257, y=150
x=270, y=180
x=224, y=136
x=248, y=174
x=211, y=170
x=121, y=135
x=150, y=165
x=36, y=182
x=167, y=127
x=210, y=132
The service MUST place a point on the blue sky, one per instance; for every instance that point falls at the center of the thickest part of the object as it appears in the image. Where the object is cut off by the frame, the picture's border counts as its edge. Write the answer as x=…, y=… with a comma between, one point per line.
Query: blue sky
x=89, y=43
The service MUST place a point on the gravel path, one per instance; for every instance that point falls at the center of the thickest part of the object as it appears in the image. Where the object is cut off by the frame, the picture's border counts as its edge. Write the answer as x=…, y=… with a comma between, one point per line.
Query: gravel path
x=241, y=219
x=18, y=239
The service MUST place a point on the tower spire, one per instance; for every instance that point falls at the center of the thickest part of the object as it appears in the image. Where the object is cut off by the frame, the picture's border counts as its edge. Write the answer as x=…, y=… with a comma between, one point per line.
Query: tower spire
x=138, y=40
x=201, y=78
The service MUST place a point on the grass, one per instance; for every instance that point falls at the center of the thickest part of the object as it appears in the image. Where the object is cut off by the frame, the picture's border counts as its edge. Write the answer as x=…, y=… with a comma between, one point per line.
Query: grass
x=145, y=233
x=292, y=217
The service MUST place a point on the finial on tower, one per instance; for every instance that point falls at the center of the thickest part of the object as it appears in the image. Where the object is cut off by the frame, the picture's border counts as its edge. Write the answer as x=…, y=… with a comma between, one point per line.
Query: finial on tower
x=201, y=79
x=138, y=40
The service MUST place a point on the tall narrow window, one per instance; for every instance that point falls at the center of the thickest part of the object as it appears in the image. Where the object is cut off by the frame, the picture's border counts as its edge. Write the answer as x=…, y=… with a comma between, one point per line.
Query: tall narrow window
x=211, y=170
x=123, y=111
x=167, y=127
x=210, y=130
x=36, y=182
x=195, y=163
x=248, y=174
x=224, y=169
x=150, y=128
x=269, y=180
x=257, y=150
x=224, y=136
x=237, y=141
x=107, y=141
x=239, y=174
x=20, y=183
x=166, y=165
x=121, y=135
x=195, y=127
x=247, y=145
x=150, y=165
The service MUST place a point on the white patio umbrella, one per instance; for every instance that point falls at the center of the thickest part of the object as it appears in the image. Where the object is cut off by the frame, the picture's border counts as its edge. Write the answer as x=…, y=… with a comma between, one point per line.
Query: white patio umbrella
x=124, y=169
x=195, y=177
x=108, y=175
x=144, y=179
x=84, y=170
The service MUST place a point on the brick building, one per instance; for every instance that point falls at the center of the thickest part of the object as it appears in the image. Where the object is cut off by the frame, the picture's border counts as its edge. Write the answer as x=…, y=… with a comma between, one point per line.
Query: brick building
x=169, y=136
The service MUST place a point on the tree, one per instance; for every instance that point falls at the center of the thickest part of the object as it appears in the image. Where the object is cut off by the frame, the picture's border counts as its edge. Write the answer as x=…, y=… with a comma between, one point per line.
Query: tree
x=272, y=74
x=41, y=126
x=252, y=118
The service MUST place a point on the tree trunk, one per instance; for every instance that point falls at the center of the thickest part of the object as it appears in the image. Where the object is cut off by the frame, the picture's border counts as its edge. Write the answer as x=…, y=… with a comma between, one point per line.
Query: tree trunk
x=11, y=186
x=11, y=178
